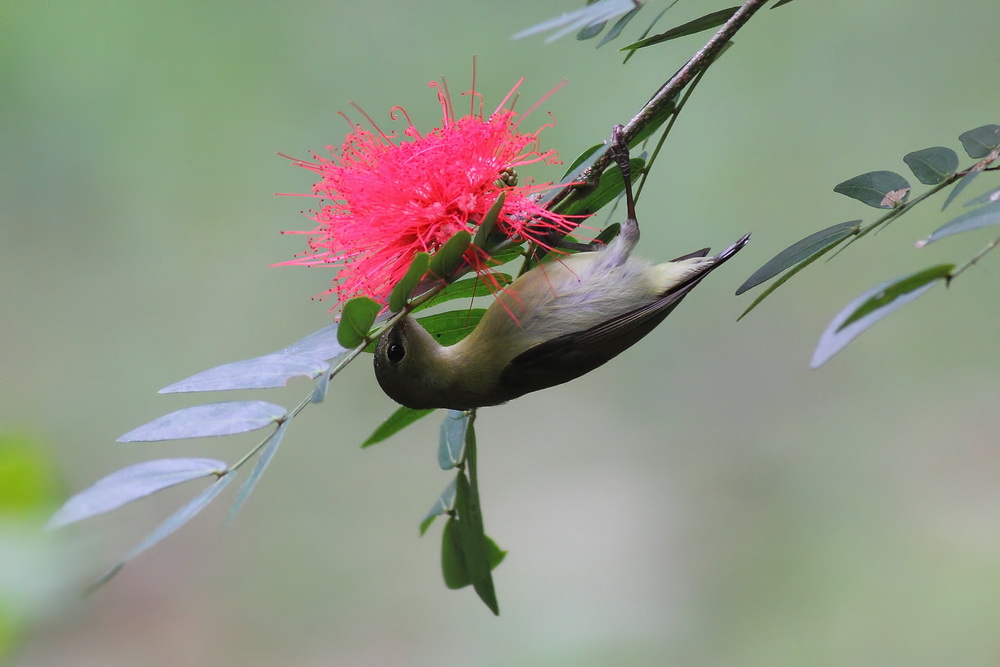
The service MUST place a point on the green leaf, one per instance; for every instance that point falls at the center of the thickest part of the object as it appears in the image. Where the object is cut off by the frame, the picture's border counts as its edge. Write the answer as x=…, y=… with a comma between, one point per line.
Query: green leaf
x=981, y=141
x=396, y=422
x=444, y=504
x=932, y=165
x=984, y=216
x=453, y=567
x=447, y=259
x=453, y=563
x=959, y=186
x=779, y=3
x=468, y=288
x=473, y=543
x=608, y=233
x=404, y=288
x=619, y=25
x=451, y=444
x=356, y=320
x=506, y=255
x=986, y=198
x=489, y=221
x=872, y=306
x=707, y=22
x=591, y=31
x=881, y=189
x=800, y=251
x=451, y=327
x=586, y=156
x=607, y=190
x=785, y=278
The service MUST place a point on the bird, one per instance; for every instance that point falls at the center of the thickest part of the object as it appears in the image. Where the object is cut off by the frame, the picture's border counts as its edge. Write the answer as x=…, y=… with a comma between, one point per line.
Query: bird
x=560, y=320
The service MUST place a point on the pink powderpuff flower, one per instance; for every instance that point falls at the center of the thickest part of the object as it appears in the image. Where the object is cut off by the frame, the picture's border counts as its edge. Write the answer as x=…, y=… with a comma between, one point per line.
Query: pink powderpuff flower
x=386, y=199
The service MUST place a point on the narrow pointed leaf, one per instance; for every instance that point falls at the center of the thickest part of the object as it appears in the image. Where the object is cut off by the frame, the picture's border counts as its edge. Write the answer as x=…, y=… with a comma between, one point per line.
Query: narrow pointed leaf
x=932, y=165
x=596, y=12
x=132, y=483
x=453, y=567
x=986, y=198
x=984, y=216
x=706, y=22
x=962, y=183
x=610, y=187
x=788, y=275
x=451, y=446
x=453, y=563
x=396, y=422
x=619, y=25
x=451, y=327
x=800, y=251
x=591, y=31
x=273, y=441
x=444, y=504
x=356, y=320
x=489, y=221
x=208, y=420
x=585, y=158
x=320, y=344
x=981, y=141
x=872, y=306
x=404, y=288
x=467, y=288
x=171, y=524
x=881, y=189
x=319, y=392
x=473, y=543
x=271, y=370
x=447, y=259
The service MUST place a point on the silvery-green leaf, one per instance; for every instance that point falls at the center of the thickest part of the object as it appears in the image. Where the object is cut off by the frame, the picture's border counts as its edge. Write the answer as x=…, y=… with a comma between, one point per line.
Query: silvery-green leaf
x=208, y=420
x=958, y=187
x=872, y=306
x=445, y=503
x=320, y=344
x=265, y=459
x=132, y=483
x=270, y=370
x=984, y=216
x=986, y=198
x=569, y=22
x=172, y=523
x=319, y=392
x=451, y=448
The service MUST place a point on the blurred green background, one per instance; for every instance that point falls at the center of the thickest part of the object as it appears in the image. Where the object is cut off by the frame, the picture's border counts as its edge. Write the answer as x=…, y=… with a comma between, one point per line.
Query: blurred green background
x=704, y=499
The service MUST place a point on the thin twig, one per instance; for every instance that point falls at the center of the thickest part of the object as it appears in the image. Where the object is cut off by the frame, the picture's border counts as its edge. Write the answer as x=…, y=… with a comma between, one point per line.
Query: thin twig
x=665, y=95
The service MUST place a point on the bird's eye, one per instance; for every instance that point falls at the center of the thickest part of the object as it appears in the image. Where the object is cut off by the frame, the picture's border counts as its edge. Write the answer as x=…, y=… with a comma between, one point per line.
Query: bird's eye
x=395, y=353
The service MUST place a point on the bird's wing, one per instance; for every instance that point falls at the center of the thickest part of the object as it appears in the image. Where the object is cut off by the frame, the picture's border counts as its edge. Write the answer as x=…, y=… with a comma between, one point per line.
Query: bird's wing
x=569, y=356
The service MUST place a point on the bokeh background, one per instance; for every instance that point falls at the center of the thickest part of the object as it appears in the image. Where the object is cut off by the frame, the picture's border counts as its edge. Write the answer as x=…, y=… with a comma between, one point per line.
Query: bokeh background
x=704, y=499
